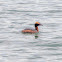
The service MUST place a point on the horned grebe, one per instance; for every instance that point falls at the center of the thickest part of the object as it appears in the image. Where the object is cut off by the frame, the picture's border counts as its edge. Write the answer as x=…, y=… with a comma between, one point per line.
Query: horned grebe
x=31, y=30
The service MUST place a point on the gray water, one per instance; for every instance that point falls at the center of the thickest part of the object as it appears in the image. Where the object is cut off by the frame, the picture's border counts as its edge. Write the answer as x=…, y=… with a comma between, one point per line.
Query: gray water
x=45, y=46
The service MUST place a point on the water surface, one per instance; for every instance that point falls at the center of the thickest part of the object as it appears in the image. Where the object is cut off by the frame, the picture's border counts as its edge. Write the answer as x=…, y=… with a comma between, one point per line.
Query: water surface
x=45, y=46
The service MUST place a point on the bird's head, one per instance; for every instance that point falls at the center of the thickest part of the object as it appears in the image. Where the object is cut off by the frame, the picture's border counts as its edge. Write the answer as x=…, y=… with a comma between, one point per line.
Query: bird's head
x=37, y=24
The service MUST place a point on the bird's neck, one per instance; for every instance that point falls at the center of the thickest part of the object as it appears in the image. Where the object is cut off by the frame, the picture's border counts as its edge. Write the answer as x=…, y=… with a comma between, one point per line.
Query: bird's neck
x=37, y=29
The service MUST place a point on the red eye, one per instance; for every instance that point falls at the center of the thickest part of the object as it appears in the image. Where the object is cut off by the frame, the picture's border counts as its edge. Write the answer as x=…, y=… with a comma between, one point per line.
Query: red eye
x=41, y=24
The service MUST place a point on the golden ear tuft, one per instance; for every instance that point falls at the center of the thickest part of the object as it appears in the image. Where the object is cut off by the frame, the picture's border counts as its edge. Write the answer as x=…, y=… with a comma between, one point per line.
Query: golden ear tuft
x=37, y=23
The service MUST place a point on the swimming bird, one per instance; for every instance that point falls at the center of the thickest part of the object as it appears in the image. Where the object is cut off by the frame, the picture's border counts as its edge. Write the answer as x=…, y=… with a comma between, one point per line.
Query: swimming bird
x=31, y=30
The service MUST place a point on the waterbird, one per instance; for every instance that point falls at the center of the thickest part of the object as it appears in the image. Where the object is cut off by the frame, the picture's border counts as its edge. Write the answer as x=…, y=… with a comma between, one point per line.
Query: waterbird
x=32, y=30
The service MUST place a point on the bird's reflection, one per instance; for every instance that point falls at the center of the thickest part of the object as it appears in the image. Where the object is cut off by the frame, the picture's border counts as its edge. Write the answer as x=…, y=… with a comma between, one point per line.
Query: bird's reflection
x=36, y=36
